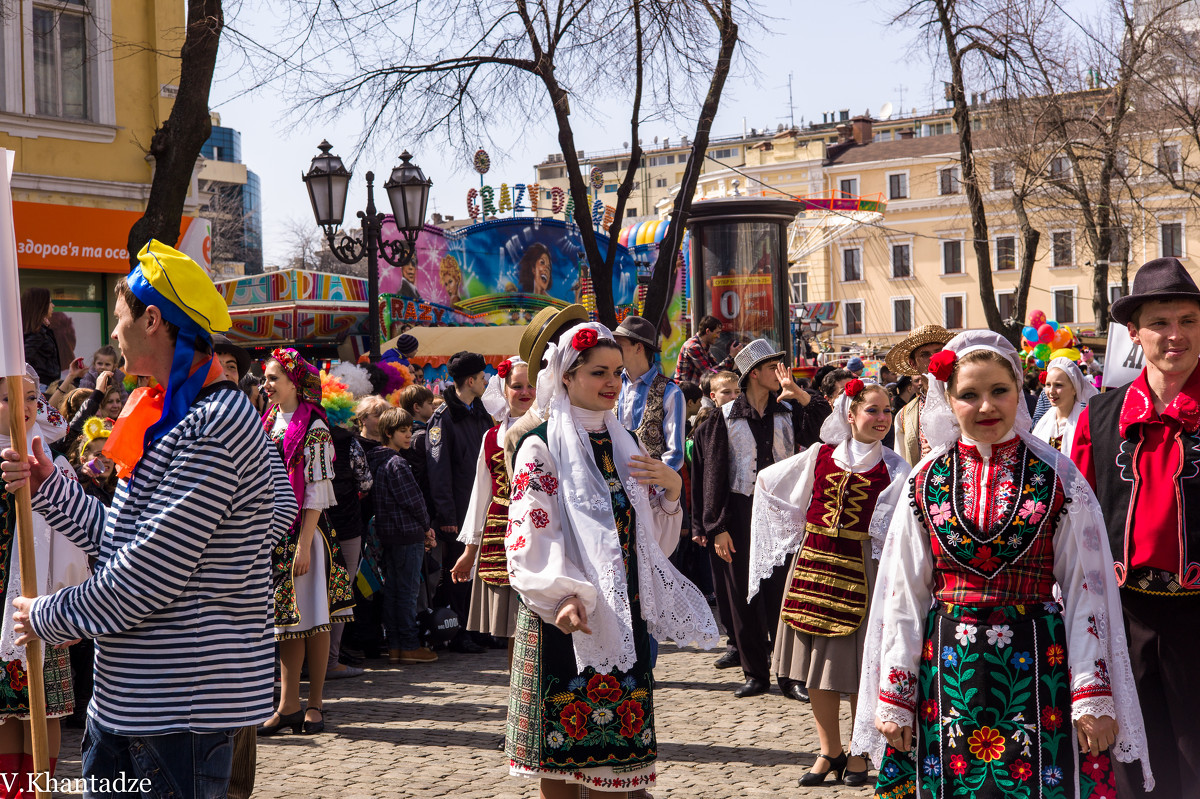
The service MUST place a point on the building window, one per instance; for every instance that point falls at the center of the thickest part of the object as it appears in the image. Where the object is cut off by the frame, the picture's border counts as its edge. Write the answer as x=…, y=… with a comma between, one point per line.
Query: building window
x=1006, y=304
x=728, y=152
x=610, y=188
x=799, y=286
x=952, y=258
x=901, y=260
x=939, y=128
x=851, y=265
x=1002, y=175
x=1006, y=253
x=948, y=180
x=902, y=315
x=848, y=187
x=661, y=160
x=1063, y=246
x=660, y=183
x=1064, y=306
x=629, y=212
x=1168, y=159
x=1060, y=168
x=852, y=311
x=60, y=60
x=897, y=186
x=1115, y=292
x=1172, y=239
x=954, y=311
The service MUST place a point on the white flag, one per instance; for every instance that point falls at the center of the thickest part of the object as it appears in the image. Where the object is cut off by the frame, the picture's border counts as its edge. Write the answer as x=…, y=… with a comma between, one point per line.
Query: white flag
x=12, y=339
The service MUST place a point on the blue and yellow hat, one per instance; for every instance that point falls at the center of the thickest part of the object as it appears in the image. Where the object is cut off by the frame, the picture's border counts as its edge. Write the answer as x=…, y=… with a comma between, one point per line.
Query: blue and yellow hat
x=187, y=298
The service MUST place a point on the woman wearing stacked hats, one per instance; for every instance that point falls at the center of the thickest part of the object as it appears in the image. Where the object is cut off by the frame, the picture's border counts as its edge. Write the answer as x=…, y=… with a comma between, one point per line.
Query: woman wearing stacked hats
x=833, y=503
x=1068, y=391
x=493, y=604
x=312, y=585
x=592, y=520
x=975, y=680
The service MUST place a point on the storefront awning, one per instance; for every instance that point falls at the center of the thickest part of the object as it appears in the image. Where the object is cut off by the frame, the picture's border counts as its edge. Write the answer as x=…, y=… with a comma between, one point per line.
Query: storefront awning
x=499, y=341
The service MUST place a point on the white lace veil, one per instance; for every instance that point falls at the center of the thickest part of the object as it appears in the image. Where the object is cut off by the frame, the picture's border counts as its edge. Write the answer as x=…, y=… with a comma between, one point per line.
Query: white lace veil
x=672, y=607
x=494, y=398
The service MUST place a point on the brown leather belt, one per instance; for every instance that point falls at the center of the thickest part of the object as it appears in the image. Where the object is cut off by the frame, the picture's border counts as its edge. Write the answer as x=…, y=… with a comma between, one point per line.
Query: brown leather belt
x=836, y=532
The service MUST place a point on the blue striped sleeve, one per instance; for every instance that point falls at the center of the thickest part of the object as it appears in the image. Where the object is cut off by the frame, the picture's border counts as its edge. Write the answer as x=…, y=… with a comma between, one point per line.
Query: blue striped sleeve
x=67, y=508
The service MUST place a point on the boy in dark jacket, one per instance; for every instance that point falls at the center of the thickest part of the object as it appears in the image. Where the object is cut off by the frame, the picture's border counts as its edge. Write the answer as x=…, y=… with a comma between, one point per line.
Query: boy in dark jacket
x=402, y=524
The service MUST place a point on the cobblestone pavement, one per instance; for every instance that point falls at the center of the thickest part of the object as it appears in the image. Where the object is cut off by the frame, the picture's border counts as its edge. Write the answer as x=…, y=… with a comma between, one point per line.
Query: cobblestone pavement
x=433, y=730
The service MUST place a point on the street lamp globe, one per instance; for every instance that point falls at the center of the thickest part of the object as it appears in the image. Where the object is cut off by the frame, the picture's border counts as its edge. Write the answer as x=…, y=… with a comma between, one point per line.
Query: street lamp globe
x=408, y=192
x=327, y=181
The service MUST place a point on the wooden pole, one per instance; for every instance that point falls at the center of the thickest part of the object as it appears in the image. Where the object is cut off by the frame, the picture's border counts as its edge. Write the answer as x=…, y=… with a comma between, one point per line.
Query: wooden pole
x=29, y=588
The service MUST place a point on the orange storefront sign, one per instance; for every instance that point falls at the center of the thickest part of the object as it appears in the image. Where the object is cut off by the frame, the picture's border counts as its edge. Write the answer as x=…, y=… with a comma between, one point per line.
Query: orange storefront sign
x=78, y=239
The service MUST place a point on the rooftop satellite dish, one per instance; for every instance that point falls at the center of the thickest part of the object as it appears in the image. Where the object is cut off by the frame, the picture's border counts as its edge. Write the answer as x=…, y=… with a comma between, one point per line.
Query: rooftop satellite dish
x=885, y=112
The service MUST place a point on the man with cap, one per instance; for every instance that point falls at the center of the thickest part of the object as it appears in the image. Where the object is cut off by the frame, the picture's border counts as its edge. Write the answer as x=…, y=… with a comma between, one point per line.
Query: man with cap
x=453, y=439
x=771, y=420
x=234, y=360
x=180, y=597
x=911, y=357
x=1139, y=447
x=855, y=366
x=546, y=328
x=650, y=404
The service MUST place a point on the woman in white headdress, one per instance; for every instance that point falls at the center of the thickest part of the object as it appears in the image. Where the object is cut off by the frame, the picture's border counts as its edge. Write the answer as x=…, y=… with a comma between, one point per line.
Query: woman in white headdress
x=1068, y=391
x=976, y=681
x=833, y=503
x=592, y=520
x=493, y=604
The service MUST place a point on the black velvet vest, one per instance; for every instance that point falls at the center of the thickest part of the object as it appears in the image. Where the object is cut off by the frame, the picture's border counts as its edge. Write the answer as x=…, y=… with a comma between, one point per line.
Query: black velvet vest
x=1118, y=485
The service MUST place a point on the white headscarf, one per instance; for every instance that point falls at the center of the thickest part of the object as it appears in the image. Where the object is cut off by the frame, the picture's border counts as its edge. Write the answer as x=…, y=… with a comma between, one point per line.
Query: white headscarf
x=672, y=607
x=1084, y=389
x=495, y=399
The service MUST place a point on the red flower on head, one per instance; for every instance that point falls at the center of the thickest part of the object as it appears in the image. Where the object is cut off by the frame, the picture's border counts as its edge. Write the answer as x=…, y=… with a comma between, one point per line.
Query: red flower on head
x=584, y=338
x=941, y=365
x=504, y=369
x=1042, y=377
x=853, y=386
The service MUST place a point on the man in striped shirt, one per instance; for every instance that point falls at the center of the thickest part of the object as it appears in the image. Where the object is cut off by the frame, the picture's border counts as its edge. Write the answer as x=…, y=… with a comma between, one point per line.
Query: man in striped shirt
x=180, y=602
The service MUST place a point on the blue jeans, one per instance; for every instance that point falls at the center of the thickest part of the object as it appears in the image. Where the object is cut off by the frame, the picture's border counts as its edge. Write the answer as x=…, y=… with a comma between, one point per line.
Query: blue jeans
x=186, y=765
x=402, y=580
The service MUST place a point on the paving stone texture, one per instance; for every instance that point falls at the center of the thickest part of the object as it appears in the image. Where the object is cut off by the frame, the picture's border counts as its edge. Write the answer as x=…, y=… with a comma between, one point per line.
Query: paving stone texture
x=433, y=730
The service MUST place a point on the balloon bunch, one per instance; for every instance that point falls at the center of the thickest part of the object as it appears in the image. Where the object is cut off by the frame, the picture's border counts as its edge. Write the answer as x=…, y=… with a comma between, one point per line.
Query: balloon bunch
x=1044, y=340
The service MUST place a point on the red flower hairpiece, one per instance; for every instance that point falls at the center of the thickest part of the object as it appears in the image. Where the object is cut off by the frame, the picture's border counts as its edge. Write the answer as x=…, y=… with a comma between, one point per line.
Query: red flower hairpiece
x=853, y=387
x=1042, y=377
x=941, y=365
x=504, y=369
x=584, y=338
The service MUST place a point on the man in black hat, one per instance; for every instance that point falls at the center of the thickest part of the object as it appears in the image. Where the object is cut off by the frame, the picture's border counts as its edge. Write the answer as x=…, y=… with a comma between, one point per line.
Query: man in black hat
x=454, y=437
x=649, y=403
x=233, y=359
x=1139, y=447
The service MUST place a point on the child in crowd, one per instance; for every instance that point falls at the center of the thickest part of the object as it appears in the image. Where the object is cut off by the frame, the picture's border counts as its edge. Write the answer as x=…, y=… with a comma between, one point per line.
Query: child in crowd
x=402, y=525
x=96, y=472
x=104, y=360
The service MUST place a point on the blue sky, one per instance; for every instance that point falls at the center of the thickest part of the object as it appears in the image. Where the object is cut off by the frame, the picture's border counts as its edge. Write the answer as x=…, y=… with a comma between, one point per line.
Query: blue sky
x=841, y=55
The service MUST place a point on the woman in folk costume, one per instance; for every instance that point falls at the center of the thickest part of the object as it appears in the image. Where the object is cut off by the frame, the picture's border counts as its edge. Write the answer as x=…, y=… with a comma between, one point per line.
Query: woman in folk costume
x=59, y=564
x=312, y=585
x=592, y=520
x=833, y=502
x=493, y=602
x=1068, y=390
x=976, y=682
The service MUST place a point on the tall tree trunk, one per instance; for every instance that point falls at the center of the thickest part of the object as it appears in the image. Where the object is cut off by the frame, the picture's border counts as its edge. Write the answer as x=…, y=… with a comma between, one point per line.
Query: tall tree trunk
x=176, y=145
x=662, y=279
x=1030, y=236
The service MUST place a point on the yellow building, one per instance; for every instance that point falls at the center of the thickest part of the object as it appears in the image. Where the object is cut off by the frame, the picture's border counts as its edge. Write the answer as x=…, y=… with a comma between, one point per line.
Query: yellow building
x=83, y=87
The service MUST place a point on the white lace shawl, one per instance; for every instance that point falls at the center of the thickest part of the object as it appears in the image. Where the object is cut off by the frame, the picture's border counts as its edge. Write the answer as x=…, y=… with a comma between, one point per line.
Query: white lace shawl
x=782, y=494
x=1086, y=540
x=1046, y=427
x=575, y=550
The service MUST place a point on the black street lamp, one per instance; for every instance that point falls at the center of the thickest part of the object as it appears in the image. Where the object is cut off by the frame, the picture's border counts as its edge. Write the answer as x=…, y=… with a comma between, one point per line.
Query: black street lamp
x=327, y=181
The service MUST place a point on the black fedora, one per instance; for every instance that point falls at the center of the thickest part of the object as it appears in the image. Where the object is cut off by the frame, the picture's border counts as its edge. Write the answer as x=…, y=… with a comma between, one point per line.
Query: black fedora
x=1159, y=280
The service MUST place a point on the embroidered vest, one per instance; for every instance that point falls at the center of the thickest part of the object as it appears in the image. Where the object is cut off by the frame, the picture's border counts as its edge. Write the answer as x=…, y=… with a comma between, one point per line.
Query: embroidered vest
x=493, y=564
x=743, y=452
x=1011, y=562
x=828, y=591
x=650, y=431
x=1117, y=487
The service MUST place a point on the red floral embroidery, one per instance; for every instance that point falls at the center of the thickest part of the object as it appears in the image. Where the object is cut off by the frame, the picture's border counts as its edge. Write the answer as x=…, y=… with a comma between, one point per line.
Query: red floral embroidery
x=574, y=719
x=632, y=717
x=1095, y=766
x=520, y=483
x=603, y=688
x=518, y=544
x=984, y=560
x=1052, y=718
x=958, y=764
x=549, y=484
x=17, y=679
x=1055, y=654
x=584, y=338
x=927, y=652
x=929, y=709
x=1020, y=770
x=539, y=517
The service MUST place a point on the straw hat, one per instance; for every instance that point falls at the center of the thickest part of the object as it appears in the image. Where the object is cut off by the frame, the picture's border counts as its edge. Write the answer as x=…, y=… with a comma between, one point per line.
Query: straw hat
x=545, y=324
x=899, y=357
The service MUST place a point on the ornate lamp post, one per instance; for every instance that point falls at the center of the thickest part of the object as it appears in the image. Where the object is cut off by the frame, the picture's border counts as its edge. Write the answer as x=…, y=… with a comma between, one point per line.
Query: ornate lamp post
x=328, y=180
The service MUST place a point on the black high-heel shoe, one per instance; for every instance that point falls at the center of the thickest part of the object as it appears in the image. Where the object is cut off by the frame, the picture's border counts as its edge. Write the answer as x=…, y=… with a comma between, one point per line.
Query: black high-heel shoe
x=837, y=767
x=293, y=720
x=854, y=779
x=314, y=727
